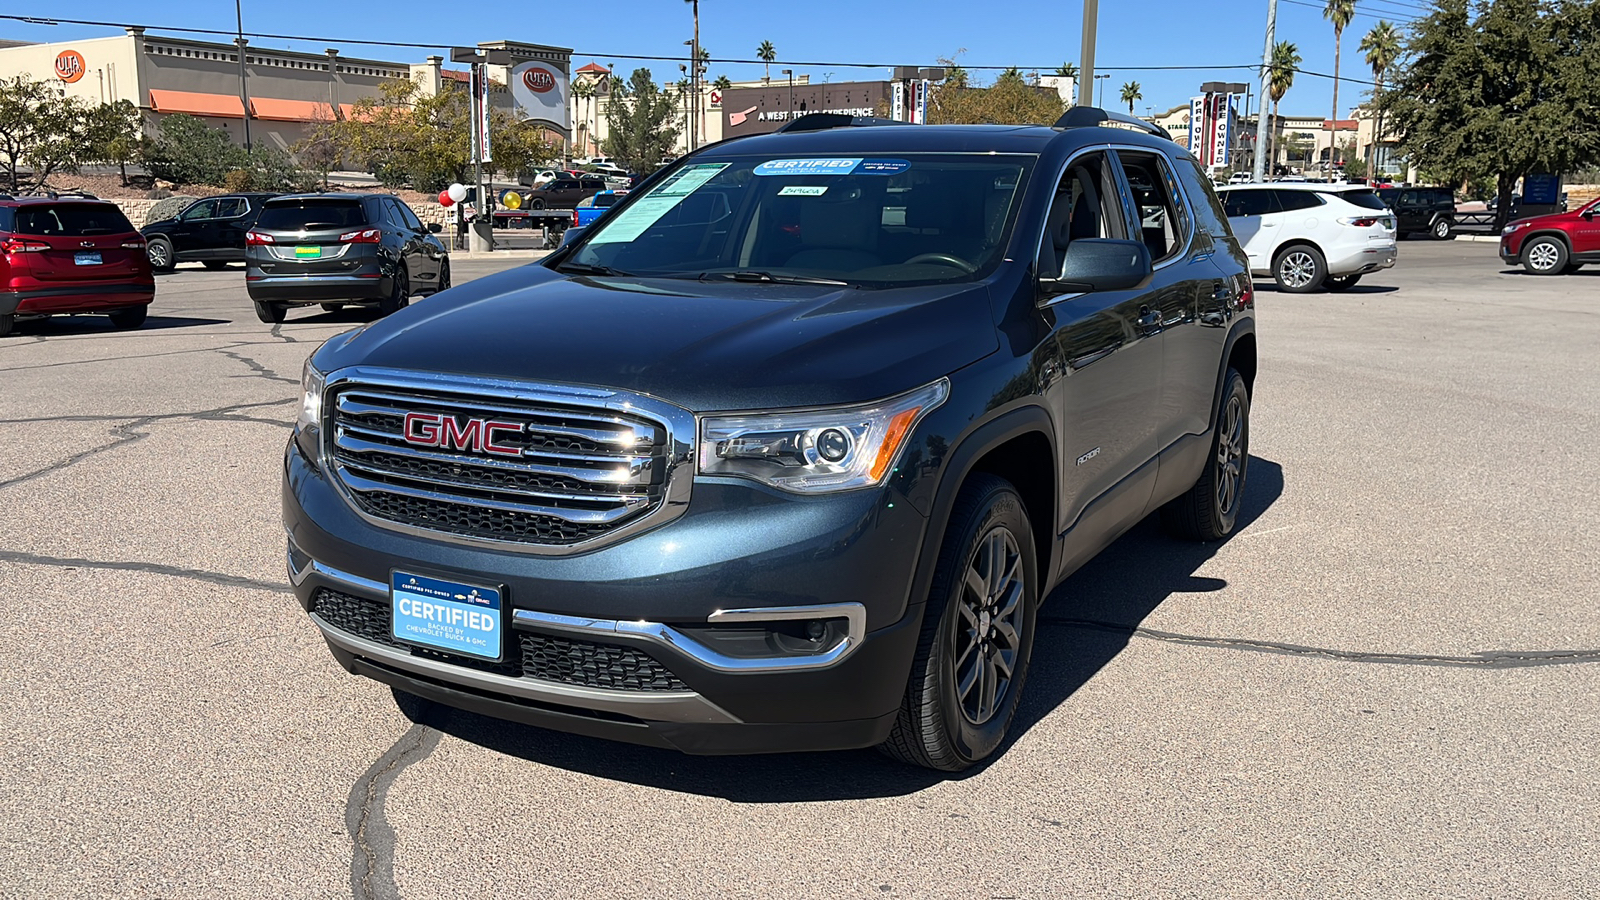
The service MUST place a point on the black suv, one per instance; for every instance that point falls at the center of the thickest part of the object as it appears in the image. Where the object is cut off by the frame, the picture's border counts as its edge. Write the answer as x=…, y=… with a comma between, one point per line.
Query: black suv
x=784, y=451
x=338, y=249
x=210, y=231
x=565, y=192
x=1421, y=210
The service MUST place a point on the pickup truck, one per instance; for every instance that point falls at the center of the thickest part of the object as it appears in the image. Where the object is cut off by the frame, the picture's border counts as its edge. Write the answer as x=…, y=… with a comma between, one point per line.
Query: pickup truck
x=591, y=208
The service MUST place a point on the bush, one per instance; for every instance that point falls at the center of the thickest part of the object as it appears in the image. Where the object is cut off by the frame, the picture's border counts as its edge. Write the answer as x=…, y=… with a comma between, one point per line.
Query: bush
x=188, y=151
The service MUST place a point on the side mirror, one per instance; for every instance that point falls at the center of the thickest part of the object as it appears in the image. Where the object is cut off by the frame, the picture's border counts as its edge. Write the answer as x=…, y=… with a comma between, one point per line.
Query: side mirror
x=435, y=228
x=570, y=235
x=1099, y=264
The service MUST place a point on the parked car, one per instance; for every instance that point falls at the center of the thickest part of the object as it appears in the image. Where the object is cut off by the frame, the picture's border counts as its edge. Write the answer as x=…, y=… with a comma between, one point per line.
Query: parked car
x=1421, y=210
x=591, y=208
x=542, y=177
x=1557, y=244
x=564, y=193
x=1241, y=178
x=1309, y=236
x=211, y=231
x=784, y=451
x=67, y=256
x=338, y=249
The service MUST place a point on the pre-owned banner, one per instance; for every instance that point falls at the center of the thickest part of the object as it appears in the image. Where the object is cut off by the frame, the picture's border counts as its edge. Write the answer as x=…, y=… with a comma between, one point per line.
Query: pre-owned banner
x=1197, y=127
x=540, y=89
x=480, y=114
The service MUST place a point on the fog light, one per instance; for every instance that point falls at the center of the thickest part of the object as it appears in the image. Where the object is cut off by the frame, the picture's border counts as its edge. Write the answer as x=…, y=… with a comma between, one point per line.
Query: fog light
x=815, y=630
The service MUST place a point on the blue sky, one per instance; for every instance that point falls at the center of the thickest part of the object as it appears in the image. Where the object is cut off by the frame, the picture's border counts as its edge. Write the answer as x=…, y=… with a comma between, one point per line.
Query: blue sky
x=1134, y=37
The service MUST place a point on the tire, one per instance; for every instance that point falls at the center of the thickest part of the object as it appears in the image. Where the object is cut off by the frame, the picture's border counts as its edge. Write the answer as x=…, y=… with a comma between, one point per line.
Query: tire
x=1209, y=511
x=130, y=318
x=1440, y=230
x=444, y=277
x=216, y=265
x=985, y=584
x=331, y=307
x=1544, y=256
x=7, y=323
x=159, y=249
x=1337, y=283
x=536, y=203
x=1572, y=268
x=400, y=296
x=271, y=313
x=1299, y=269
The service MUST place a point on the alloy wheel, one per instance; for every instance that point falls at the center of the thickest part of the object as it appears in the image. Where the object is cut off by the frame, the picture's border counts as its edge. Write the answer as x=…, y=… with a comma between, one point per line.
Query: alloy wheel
x=1230, y=456
x=158, y=252
x=1543, y=256
x=1298, y=269
x=989, y=633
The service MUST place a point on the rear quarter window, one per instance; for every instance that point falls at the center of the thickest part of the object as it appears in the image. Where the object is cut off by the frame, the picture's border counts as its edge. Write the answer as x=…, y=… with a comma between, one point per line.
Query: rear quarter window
x=8, y=218
x=1364, y=199
x=71, y=220
x=311, y=215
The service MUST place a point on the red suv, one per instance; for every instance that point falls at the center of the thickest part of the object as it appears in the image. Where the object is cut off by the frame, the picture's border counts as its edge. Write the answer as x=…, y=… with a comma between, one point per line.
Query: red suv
x=61, y=255
x=1555, y=244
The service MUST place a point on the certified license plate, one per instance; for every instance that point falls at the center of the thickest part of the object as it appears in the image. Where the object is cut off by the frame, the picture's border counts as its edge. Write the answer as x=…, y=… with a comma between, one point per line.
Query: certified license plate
x=305, y=252
x=86, y=259
x=446, y=615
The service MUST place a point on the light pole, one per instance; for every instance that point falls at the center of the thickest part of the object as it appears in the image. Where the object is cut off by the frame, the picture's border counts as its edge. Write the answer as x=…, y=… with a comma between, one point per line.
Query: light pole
x=244, y=94
x=1102, y=80
x=790, y=73
x=1091, y=16
x=1258, y=169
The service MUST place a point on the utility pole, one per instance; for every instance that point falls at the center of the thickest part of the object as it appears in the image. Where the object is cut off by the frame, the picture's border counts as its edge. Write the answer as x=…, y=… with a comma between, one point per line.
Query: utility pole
x=1091, y=22
x=244, y=93
x=1258, y=171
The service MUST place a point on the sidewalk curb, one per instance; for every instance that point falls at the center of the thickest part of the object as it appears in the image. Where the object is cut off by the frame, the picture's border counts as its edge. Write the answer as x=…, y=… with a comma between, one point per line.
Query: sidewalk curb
x=500, y=254
x=1479, y=238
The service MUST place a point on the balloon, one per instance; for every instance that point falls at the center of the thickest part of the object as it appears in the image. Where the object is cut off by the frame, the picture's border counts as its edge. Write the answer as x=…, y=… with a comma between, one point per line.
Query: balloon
x=457, y=192
x=511, y=200
x=444, y=199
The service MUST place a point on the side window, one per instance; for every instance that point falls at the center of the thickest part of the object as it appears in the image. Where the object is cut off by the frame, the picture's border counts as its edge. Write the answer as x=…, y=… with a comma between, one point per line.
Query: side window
x=1251, y=202
x=377, y=213
x=1208, y=209
x=1294, y=201
x=397, y=212
x=1087, y=205
x=232, y=207
x=407, y=216
x=205, y=209
x=1163, y=224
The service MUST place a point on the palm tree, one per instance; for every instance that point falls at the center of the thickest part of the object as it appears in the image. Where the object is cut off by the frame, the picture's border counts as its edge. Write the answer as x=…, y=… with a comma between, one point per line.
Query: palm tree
x=583, y=90
x=1339, y=12
x=1131, y=94
x=1382, y=48
x=722, y=83
x=1067, y=70
x=766, y=54
x=1285, y=62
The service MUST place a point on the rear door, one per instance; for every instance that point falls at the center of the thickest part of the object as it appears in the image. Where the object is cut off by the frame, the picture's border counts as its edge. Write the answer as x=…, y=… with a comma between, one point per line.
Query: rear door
x=78, y=243
x=422, y=262
x=1253, y=214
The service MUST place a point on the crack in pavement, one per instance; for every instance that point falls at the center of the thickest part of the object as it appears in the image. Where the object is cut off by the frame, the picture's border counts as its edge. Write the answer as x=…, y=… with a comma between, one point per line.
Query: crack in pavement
x=67, y=562
x=259, y=370
x=277, y=332
x=1483, y=659
x=371, y=836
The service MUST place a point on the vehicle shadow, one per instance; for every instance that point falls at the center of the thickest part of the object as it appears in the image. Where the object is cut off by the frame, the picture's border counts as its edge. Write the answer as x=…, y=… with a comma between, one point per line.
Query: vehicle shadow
x=89, y=323
x=1114, y=592
x=1270, y=287
x=1580, y=273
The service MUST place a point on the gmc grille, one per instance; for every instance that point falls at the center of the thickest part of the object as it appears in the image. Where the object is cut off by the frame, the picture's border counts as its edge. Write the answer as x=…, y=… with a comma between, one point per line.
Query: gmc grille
x=556, y=472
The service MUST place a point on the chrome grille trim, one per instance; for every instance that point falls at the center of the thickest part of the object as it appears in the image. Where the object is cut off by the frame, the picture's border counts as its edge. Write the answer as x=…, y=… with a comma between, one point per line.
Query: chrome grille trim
x=610, y=464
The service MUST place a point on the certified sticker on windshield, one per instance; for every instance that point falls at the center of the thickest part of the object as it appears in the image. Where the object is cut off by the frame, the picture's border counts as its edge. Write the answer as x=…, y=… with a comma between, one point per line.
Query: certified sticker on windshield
x=633, y=221
x=836, y=166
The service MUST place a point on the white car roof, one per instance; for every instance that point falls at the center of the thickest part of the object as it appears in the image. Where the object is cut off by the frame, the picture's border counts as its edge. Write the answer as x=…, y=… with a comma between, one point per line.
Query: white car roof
x=1321, y=187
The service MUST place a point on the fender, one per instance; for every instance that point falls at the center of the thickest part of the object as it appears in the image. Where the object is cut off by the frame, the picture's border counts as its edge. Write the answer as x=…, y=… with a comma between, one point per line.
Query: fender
x=958, y=464
x=1244, y=326
x=1556, y=233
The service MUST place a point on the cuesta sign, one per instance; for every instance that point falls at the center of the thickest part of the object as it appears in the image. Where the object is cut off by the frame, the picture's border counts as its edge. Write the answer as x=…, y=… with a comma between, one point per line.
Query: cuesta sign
x=70, y=66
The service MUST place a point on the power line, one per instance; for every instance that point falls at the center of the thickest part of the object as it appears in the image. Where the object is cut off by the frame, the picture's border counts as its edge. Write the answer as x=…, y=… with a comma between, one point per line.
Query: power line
x=1318, y=6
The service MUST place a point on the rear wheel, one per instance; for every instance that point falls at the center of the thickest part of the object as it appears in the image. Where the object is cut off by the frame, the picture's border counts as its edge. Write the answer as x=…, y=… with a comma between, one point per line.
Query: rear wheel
x=129, y=318
x=1340, y=282
x=977, y=634
x=1440, y=230
x=7, y=323
x=216, y=264
x=1209, y=511
x=271, y=313
x=1544, y=256
x=1299, y=269
x=399, y=296
x=159, y=249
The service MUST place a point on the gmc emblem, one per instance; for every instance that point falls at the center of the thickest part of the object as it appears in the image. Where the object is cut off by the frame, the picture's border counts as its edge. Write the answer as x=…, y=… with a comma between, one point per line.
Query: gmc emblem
x=472, y=435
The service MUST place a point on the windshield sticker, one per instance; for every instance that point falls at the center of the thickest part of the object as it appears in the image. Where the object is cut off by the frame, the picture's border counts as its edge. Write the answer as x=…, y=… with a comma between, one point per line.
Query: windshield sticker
x=883, y=167
x=808, y=166
x=627, y=225
x=801, y=190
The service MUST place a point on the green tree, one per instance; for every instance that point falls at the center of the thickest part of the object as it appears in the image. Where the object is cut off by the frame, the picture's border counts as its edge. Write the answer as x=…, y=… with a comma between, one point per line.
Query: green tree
x=41, y=131
x=722, y=83
x=1339, y=12
x=584, y=90
x=1505, y=89
x=1131, y=95
x=1009, y=101
x=1285, y=62
x=1067, y=70
x=188, y=151
x=114, y=132
x=1381, y=48
x=639, y=119
x=767, y=55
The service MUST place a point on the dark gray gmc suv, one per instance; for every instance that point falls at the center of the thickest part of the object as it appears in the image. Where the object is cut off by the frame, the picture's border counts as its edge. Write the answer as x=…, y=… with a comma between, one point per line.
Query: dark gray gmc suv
x=784, y=452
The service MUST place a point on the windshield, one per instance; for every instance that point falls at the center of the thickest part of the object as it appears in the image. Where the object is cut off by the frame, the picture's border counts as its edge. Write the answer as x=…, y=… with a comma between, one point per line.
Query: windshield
x=865, y=221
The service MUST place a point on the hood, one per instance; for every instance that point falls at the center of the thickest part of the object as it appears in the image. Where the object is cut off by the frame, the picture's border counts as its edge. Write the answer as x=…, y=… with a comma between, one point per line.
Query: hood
x=701, y=346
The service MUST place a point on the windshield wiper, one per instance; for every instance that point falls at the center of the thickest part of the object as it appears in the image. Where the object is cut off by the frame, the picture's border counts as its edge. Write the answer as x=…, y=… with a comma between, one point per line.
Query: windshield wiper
x=578, y=268
x=769, y=278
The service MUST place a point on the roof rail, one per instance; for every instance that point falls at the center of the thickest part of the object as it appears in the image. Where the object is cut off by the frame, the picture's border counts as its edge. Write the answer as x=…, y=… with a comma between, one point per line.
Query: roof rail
x=824, y=121
x=1088, y=116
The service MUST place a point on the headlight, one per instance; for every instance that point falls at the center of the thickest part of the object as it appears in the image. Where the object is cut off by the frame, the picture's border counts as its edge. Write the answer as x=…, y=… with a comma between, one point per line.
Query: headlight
x=814, y=451
x=311, y=384
x=1514, y=226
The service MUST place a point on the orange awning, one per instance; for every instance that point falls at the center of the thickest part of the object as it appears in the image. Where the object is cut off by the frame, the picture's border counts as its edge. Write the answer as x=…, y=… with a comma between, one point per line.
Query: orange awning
x=226, y=106
x=351, y=112
x=290, y=110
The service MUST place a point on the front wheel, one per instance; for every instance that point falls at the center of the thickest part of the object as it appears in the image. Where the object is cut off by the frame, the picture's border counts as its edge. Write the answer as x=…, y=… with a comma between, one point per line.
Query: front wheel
x=1209, y=511
x=977, y=634
x=1441, y=230
x=1299, y=270
x=130, y=318
x=536, y=203
x=1338, y=283
x=270, y=313
x=1544, y=256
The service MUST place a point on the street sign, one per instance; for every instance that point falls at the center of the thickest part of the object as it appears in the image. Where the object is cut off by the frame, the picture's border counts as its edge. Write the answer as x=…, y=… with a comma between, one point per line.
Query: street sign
x=540, y=89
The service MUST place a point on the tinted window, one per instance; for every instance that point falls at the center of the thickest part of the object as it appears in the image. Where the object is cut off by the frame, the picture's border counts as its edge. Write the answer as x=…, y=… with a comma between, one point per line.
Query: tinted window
x=604, y=200
x=1163, y=224
x=408, y=217
x=72, y=220
x=8, y=218
x=1207, y=208
x=593, y=184
x=1253, y=202
x=561, y=184
x=205, y=209
x=1087, y=206
x=1441, y=198
x=1290, y=201
x=1364, y=199
x=311, y=214
x=229, y=207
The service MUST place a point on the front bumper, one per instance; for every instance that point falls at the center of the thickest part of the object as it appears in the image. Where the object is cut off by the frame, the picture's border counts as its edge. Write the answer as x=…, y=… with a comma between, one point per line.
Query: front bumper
x=76, y=298
x=673, y=601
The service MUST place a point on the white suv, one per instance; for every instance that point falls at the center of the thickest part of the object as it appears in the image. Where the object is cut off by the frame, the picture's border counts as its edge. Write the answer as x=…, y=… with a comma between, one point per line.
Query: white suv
x=1308, y=236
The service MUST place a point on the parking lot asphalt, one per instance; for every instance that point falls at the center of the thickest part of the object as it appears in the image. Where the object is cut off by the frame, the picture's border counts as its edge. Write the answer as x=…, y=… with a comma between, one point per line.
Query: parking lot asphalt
x=1383, y=686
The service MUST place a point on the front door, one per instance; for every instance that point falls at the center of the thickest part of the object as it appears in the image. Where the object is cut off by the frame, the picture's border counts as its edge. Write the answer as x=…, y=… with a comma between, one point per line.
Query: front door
x=1586, y=234
x=189, y=234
